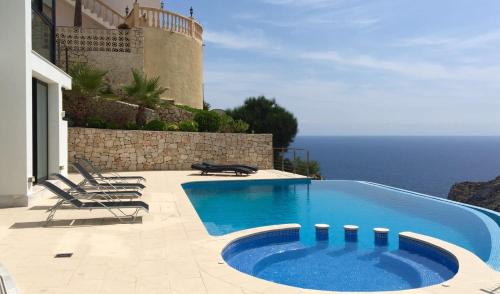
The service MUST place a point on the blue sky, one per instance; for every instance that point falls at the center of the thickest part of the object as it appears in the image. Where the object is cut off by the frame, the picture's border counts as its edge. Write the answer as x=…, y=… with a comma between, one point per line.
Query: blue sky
x=349, y=67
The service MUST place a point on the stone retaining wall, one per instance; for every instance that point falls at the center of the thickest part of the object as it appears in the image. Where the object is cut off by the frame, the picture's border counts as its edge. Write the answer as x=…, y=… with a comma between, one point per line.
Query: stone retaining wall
x=118, y=112
x=174, y=114
x=120, y=150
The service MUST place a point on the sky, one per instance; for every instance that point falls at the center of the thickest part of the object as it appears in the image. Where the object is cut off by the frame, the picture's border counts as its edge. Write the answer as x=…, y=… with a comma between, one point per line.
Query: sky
x=357, y=67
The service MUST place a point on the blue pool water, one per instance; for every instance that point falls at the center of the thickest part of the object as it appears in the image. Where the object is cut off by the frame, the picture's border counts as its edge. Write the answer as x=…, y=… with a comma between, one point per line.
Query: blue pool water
x=230, y=206
x=281, y=258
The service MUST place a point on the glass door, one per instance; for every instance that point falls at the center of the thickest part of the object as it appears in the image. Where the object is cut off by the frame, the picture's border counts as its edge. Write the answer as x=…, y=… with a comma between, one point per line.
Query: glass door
x=40, y=131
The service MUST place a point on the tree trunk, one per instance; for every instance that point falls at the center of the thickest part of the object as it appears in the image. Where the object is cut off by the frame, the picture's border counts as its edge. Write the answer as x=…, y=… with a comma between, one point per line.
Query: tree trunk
x=78, y=13
x=140, y=117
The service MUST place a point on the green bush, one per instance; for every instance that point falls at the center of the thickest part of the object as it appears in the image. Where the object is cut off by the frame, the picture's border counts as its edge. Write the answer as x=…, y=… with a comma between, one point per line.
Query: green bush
x=229, y=125
x=112, y=126
x=226, y=124
x=131, y=126
x=239, y=126
x=188, y=126
x=173, y=127
x=208, y=121
x=156, y=125
x=96, y=123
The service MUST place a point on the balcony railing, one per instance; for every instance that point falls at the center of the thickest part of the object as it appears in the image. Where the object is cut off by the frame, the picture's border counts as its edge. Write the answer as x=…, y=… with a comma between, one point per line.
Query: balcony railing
x=162, y=19
x=293, y=160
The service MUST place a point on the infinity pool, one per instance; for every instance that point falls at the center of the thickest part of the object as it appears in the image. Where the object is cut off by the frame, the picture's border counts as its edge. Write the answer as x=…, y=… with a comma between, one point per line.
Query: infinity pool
x=229, y=206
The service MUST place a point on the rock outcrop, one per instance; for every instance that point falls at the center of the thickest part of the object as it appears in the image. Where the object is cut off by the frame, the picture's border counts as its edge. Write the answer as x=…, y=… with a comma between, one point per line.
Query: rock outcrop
x=483, y=194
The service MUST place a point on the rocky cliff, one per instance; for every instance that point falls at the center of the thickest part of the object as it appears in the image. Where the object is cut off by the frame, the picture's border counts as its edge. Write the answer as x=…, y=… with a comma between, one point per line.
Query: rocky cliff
x=483, y=194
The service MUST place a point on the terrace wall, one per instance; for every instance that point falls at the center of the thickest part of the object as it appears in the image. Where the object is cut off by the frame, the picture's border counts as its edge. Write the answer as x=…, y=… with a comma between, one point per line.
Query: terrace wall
x=122, y=150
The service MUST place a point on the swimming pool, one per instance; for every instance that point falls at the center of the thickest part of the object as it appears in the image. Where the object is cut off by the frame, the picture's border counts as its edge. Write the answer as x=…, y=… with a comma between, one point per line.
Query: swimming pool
x=229, y=206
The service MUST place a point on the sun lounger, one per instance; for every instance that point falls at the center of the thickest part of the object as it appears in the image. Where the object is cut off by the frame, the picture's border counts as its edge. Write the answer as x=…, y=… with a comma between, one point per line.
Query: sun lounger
x=252, y=168
x=94, y=171
x=79, y=191
x=206, y=169
x=89, y=179
x=114, y=207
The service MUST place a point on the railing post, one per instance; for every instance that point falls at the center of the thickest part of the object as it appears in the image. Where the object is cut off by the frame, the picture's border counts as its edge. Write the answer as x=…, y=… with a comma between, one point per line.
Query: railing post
x=307, y=163
x=135, y=15
x=191, y=33
x=283, y=167
x=294, y=163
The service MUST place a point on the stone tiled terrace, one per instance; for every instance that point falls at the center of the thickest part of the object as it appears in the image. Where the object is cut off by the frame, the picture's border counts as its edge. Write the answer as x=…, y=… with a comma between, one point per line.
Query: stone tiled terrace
x=166, y=251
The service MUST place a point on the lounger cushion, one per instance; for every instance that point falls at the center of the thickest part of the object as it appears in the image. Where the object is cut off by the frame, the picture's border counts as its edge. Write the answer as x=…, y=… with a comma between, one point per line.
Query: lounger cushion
x=118, y=204
x=220, y=169
x=252, y=168
x=122, y=185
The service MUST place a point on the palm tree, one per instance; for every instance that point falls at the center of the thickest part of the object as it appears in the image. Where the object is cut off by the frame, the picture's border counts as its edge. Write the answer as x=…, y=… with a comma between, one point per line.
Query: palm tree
x=144, y=92
x=87, y=83
x=78, y=13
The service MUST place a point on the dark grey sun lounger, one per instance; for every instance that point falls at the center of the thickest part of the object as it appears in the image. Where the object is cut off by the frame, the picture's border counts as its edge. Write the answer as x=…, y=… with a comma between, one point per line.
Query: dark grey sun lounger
x=114, y=207
x=98, y=174
x=92, y=181
x=252, y=168
x=206, y=169
x=80, y=191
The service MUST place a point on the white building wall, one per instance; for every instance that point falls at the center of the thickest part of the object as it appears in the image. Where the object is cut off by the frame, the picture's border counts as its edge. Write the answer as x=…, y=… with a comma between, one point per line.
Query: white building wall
x=18, y=64
x=15, y=101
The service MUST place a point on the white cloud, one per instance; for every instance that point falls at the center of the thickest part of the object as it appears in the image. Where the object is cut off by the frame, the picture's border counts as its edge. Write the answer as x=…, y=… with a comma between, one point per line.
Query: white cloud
x=309, y=3
x=324, y=105
x=254, y=39
x=419, y=70
x=481, y=40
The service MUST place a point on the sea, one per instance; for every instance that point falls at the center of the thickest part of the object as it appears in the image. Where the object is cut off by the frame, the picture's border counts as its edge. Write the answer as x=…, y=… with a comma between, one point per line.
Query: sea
x=429, y=165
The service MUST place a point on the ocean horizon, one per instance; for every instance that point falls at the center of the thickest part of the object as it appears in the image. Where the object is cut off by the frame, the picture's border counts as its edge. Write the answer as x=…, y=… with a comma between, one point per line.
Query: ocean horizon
x=425, y=164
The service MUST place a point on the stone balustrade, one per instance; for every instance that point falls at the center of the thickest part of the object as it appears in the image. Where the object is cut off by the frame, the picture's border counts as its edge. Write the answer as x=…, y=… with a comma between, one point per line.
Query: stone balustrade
x=147, y=17
x=121, y=150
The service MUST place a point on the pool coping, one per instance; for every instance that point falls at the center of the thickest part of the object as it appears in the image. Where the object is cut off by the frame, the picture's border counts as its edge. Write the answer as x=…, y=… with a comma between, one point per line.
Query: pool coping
x=473, y=273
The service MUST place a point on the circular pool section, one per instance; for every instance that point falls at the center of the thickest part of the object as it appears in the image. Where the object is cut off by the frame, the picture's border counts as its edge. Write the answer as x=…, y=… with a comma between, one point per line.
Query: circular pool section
x=280, y=256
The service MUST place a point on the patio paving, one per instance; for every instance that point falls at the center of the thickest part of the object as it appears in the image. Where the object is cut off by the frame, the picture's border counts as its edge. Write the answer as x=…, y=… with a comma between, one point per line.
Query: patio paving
x=154, y=255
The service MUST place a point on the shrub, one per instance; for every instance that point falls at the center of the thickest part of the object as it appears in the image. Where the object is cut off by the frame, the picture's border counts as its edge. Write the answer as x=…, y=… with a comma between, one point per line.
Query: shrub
x=302, y=167
x=188, y=126
x=239, y=126
x=156, y=125
x=208, y=121
x=226, y=124
x=229, y=125
x=87, y=83
x=173, y=127
x=131, y=126
x=145, y=92
x=96, y=123
x=112, y=126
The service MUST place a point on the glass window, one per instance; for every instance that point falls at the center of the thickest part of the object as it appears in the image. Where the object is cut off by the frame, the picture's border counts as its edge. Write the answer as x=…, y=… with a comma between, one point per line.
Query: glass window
x=40, y=131
x=43, y=28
